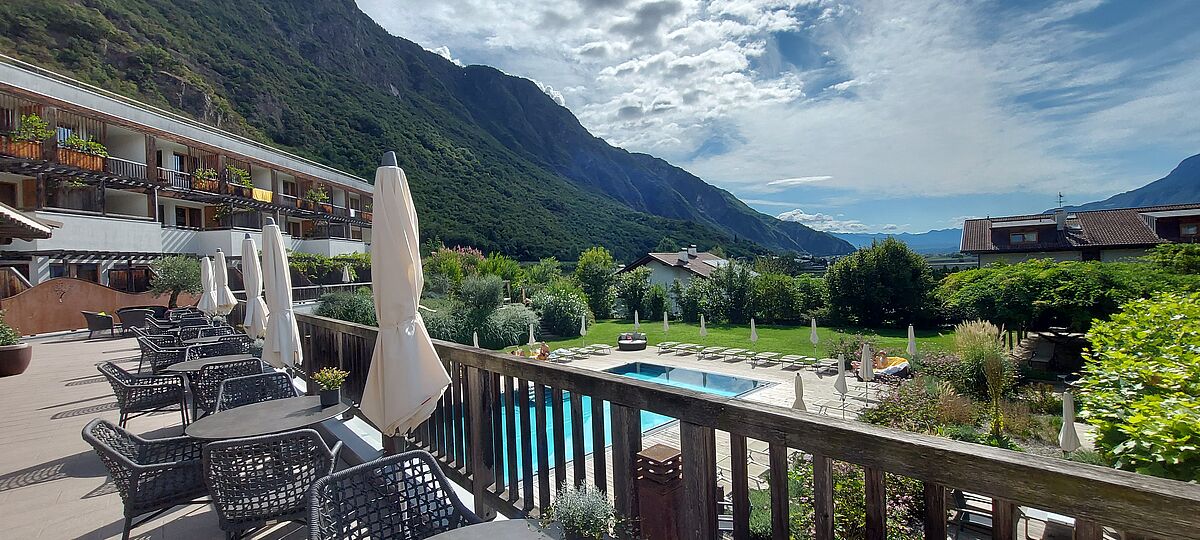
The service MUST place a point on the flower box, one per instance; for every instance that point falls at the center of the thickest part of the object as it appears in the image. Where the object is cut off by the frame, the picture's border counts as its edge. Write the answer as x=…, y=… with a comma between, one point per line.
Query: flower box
x=366, y=216
x=241, y=191
x=82, y=160
x=210, y=186
x=326, y=207
x=21, y=149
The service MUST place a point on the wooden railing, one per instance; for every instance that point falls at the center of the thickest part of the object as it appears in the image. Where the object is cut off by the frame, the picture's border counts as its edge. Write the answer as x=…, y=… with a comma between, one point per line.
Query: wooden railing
x=175, y=179
x=474, y=431
x=125, y=167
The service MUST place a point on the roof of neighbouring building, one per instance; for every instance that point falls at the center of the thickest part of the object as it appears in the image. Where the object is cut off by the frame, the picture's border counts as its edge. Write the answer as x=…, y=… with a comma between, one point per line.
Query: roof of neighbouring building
x=1115, y=228
x=701, y=264
x=15, y=224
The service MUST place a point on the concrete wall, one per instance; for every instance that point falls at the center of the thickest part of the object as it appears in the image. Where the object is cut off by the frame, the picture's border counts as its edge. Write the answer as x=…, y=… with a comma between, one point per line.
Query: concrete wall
x=1115, y=255
x=261, y=177
x=125, y=144
x=989, y=258
x=331, y=246
x=126, y=203
x=96, y=233
x=664, y=275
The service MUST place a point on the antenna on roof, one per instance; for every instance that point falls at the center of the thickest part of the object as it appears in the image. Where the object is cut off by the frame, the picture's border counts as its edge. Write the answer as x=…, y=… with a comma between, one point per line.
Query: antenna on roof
x=1060, y=199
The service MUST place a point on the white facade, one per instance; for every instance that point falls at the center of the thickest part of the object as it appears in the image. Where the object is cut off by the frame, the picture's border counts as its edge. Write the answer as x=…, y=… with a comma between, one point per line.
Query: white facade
x=661, y=274
x=1106, y=255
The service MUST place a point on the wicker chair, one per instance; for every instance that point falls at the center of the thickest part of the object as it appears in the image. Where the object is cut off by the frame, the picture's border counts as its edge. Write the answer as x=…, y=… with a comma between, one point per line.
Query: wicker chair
x=177, y=314
x=152, y=475
x=405, y=496
x=138, y=395
x=134, y=318
x=160, y=352
x=206, y=384
x=233, y=344
x=259, y=480
x=159, y=327
x=240, y=391
x=197, y=331
x=97, y=322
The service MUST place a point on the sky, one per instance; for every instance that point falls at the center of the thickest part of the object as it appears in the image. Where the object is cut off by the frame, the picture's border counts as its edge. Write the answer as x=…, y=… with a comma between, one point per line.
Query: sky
x=857, y=116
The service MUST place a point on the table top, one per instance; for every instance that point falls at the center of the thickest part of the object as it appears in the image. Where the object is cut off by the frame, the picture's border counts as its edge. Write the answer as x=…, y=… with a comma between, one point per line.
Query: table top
x=192, y=366
x=509, y=529
x=264, y=418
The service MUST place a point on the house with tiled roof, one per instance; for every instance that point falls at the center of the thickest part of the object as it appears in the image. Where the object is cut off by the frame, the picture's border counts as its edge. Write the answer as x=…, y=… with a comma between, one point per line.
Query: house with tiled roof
x=1095, y=235
x=683, y=265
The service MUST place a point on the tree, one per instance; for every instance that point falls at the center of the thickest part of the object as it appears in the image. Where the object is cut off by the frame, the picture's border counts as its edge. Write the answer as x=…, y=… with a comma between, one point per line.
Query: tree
x=887, y=283
x=1177, y=258
x=174, y=275
x=595, y=276
x=632, y=287
x=735, y=285
x=656, y=302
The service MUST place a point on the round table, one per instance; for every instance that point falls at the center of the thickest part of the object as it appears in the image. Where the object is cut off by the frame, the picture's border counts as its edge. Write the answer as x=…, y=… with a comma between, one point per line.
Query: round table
x=264, y=418
x=192, y=366
x=509, y=529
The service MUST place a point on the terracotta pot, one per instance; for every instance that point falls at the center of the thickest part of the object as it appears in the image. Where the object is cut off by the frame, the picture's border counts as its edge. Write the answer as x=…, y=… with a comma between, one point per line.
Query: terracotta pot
x=14, y=359
x=79, y=159
x=327, y=208
x=25, y=149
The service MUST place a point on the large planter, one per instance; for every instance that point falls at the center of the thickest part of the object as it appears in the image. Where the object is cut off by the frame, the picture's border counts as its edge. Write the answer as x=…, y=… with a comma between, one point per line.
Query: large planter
x=326, y=207
x=82, y=160
x=22, y=149
x=330, y=398
x=14, y=359
x=210, y=186
x=241, y=191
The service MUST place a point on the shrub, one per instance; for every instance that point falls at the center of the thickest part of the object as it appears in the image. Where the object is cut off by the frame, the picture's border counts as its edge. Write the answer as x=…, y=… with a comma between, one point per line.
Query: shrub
x=356, y=307
x=985, y=369
x=480, y=296
x=810, y=294
x=1041, y=398
x=885, y=284
x=776, y=298
x=849, y=346
x=656, y=302
x=174, y=275
x=544, y=272
x=734, y=287
x=446, y=325
x=631, y=289
x=1139, y=386
x=508, y=325
x=696, y=297
x=33, y=128
x=500, y=265
x=595, y=277
x=561, y=306
x=1176, y=258
x=910, y=406
x=8, y=335
x=582, y=512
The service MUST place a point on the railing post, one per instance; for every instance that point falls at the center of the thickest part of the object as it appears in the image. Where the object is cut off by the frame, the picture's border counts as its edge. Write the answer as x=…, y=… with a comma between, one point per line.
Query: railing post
x=823, y=497
x=659, y=481
x=699, y=480
x=1088, y=530
x=780, y=518
x=876, y=504
x=935, y=511
x=1004, y=520
x=482, y=457
x=626, y=442
x=739, y=469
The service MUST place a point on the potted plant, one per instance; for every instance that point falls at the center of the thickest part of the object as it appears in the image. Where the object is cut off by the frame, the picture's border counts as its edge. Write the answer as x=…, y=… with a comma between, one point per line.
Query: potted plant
x=83, y=153
x=14, y=355
x=26, y=140
x=319, y=198
x=240, y=183
x=331, y=380
x=583, y=512
x=205, y=179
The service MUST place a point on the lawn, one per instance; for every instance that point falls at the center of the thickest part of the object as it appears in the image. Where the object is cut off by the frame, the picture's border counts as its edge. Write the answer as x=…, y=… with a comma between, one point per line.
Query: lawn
x=782, y=339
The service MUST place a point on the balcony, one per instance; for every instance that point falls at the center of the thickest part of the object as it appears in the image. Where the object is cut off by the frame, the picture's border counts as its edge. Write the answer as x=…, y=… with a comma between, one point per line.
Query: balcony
x=124, y=167
x=180, y=180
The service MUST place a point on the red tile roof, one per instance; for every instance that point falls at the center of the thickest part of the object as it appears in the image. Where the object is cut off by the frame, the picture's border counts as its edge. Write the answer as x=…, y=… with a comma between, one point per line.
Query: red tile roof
x=701, y=264
x=1116, y=228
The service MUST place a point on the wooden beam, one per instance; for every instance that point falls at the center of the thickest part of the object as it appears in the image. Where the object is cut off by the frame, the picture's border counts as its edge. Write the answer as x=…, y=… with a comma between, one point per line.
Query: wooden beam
x=482, y=465
x=698, y=446
x=738, y=468
x=626, y=443
x=780, y=506
x=823, y=497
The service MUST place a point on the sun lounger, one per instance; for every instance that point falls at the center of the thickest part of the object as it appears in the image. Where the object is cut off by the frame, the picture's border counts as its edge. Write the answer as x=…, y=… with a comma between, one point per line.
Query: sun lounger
x=685, y=348
x=741, y=354
x=667, y=346
x=796, y=359
x=735, y=353
x=763, y=357
x=598, y=348
x=712, y=352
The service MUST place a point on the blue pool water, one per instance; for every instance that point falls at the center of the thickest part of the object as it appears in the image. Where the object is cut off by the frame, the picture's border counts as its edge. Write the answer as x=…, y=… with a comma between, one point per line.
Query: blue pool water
x=711, y=383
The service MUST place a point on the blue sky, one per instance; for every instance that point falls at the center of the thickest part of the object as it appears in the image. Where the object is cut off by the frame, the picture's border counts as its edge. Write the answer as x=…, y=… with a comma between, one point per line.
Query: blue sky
x=857, y=115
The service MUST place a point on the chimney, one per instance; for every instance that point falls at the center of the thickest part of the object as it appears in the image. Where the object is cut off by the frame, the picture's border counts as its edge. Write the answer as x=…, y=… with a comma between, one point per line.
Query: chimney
x=692, y=250
x=1060, y=219
x=683, y=258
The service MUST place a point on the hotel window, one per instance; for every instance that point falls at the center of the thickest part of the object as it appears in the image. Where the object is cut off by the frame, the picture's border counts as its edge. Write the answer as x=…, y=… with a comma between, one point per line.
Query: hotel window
x=1189, y=229
x=289, y=188
x=1023, y=237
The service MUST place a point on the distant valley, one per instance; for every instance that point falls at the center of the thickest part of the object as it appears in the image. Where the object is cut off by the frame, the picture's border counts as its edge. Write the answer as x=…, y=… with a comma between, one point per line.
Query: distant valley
x=932, y=242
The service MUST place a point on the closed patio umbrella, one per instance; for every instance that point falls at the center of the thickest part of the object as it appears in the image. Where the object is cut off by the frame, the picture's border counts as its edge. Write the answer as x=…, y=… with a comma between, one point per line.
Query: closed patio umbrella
x=406, y=377
x=208, y=295
x=666, y=325
x=703, y=329
x=255, y=321
x=532, y=339
x=799, y=403
x=282, y=345
x=840, y=383
x=1068, y=439
x=812, y=336
x=753, y=332
x=636, y=324
x=226, y=301
x=475, y=339
x=866, y=365
x=346, y=274
x=912, y=341
x=583, y=325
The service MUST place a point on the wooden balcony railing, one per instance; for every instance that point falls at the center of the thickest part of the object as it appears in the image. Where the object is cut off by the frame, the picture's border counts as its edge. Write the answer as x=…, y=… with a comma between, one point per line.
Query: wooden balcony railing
x=175, y=179
x=313, y=292
x=124, y=167
x=474, y=431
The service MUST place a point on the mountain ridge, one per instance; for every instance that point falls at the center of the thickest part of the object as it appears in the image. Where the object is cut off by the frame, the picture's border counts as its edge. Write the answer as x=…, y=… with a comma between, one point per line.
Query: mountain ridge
x=494, y=162
x=937, y=241
x=1180, y=186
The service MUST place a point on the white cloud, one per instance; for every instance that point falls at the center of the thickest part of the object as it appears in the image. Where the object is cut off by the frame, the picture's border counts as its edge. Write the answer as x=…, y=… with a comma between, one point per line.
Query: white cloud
x=444, y=52
x=830, y=223
x=775, y=186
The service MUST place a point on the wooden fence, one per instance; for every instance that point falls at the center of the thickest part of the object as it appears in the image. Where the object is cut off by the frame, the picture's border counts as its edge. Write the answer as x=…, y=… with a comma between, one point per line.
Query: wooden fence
x=474, y=432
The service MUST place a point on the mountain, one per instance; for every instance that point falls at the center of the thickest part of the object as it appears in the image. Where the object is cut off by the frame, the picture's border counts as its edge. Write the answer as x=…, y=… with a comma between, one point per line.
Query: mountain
x=936, y=241
x=1181, y=186
x=494, y=162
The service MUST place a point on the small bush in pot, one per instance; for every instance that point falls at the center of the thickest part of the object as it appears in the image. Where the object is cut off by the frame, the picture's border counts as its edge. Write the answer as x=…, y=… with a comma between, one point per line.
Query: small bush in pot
x=331, y=380
x=583, y=512
x=14, y=355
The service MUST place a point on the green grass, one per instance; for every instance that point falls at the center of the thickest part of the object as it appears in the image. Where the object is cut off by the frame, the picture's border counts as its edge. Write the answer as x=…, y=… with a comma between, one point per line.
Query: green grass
x=781, y=339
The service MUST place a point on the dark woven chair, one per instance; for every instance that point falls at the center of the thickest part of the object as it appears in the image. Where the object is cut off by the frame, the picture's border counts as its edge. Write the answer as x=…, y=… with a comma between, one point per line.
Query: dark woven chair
x=405, y=496
x=160, y=351
x=240, y=391
x=177, y=314
x=206, y=384
x=138, y=395
x=159, y=327
x=152, y=475
x=259, y=480
x=233, y=344
x=134, y=318
x=197, y=331
x=98, y=323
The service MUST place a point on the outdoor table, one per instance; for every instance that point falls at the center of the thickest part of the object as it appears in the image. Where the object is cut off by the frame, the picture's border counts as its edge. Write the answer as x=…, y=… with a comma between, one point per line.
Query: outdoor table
x=509, y=529
x=193, y=366
x=264, y=418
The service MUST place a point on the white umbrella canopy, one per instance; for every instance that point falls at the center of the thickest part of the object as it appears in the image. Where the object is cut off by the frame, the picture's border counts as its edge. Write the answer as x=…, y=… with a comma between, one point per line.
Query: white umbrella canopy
x=475, y=339
x=799, y=403
x=1068, y=439
x=866, y=365
x=666, y=325
x=282, y=345
x=255, y=321
x=583, y=325
x=406, y=377
x=753, y=332
x=208, y=295
x=912, y=341
x=346, y=274
x=226, y=301
x=637, y=325
x=703, y=329
x=840, y=383
x=812, y=336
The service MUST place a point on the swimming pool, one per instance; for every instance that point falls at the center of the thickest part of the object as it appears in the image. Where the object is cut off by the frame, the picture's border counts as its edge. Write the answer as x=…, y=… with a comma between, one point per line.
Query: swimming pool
x=710, y=383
